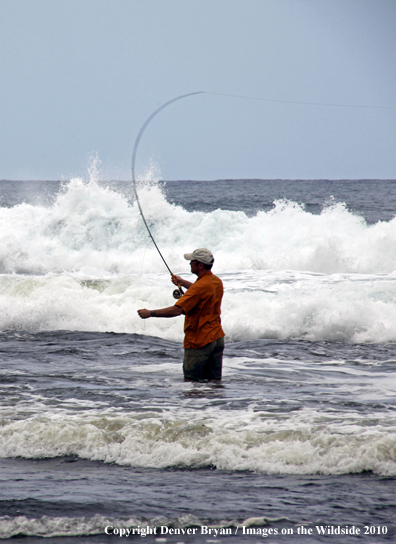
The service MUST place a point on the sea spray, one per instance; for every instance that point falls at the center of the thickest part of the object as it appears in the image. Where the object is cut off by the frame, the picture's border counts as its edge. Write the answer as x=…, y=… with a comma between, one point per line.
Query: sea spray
x=95, y=226
x=84, y=262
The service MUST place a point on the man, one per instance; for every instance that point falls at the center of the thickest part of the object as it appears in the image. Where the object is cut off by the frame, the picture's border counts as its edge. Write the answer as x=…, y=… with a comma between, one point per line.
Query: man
x=204, y=336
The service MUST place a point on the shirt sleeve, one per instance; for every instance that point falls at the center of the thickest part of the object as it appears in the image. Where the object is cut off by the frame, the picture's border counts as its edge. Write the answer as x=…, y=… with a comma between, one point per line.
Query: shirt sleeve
x=190, y=299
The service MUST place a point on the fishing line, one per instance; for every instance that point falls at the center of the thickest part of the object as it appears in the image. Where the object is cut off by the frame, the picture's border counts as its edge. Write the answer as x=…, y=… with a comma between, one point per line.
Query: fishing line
x=178, y=292
x=303, y=103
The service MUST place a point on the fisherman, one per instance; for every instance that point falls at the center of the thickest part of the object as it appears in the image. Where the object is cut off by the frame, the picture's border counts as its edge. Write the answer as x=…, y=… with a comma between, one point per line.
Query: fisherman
x=204, y=336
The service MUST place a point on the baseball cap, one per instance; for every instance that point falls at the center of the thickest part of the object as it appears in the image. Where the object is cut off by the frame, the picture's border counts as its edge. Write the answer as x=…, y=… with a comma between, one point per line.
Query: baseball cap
x=201, y=255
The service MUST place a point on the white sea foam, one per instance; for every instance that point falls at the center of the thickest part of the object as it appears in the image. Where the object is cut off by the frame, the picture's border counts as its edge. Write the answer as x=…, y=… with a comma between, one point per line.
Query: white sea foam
x=86, y=263
x=257, y=304
x=52, y=526
x=95, y=227
x=302, y=442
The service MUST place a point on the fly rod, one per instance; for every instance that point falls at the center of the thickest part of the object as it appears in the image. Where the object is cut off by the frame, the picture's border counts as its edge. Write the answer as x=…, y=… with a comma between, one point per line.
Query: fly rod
x=177, y=292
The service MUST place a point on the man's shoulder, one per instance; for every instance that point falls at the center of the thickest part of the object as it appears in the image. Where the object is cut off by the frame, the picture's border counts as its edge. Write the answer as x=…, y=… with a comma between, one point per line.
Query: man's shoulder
x=208, y=280
x=208, y=277
x=215, y=278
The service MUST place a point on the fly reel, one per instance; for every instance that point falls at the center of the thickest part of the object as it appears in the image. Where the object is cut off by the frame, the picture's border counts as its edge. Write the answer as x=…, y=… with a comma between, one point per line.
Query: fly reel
x=177, y=293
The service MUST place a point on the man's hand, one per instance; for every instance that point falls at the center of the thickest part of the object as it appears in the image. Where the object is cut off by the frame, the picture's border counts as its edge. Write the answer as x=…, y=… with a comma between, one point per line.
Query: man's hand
x=177, y=280
x=144, y=314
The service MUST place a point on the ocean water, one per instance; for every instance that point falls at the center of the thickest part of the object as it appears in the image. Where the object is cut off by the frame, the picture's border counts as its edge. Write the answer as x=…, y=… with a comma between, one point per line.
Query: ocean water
x=100, y=437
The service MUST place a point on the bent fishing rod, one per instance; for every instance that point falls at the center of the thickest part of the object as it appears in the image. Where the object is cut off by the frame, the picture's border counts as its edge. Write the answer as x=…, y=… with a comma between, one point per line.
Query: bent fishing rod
x=177, y=293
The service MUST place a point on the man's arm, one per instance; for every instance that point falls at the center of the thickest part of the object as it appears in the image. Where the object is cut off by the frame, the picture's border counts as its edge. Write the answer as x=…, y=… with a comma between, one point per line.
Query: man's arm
x=171, y=311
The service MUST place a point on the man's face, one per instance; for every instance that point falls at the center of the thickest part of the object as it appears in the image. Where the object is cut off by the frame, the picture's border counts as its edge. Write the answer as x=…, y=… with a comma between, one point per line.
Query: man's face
x=195, y=267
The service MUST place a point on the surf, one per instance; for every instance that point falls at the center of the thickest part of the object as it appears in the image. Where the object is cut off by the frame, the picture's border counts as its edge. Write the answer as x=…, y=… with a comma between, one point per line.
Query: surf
x=83, y=261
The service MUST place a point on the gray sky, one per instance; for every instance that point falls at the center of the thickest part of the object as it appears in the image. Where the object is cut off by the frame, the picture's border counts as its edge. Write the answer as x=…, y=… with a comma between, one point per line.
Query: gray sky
x=81, y=76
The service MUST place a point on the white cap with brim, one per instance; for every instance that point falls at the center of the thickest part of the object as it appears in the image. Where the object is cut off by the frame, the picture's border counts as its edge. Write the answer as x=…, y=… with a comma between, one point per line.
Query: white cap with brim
x=201, y=255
